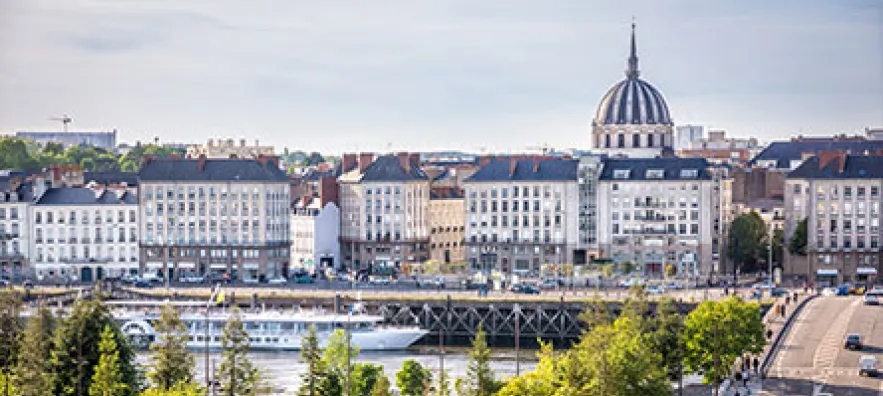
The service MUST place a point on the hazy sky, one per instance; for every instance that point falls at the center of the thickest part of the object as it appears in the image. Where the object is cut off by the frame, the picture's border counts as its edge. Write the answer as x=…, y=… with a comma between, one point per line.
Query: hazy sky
x=336, y=75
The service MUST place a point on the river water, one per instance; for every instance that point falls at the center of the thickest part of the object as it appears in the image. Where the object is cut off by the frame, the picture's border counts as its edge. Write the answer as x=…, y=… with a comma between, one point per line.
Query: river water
x=283, y=369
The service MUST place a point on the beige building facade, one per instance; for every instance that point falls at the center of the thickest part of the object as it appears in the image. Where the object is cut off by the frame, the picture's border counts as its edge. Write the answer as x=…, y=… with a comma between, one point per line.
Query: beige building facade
x=230, y=148
x=447, y=219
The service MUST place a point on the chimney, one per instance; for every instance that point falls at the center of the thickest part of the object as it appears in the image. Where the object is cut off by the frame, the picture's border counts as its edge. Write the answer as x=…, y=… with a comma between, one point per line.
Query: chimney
x=365, y=160
x=200, y=163
x=536, y=165
x=403, y=161
x=233, y=156
x=147, y=158
x=262, y=159
x=348, y=162
x=513, y=163
x=485, y=159
x=825, y=158
x=414, y=159
x=328, y=190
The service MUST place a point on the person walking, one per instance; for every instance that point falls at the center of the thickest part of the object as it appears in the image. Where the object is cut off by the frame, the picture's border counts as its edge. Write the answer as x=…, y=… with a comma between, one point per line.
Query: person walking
x=756, y=365
x=783, y=311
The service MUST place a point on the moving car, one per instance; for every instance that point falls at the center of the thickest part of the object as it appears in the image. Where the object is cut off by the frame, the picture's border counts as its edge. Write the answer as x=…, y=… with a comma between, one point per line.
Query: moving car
x=867, y=366
x=853, y=341
x=548, y=284
x=654, y=289
x=304, y=279
x=524, y=289
x=279, y=280
x=871, y=299
x=829, y=291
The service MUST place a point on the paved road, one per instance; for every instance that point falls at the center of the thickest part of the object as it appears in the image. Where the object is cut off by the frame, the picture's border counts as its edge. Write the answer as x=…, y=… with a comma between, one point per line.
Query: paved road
x=812, y=359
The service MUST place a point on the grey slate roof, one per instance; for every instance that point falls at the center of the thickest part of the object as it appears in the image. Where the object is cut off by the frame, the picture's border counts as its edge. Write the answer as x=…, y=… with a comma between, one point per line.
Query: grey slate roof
x=388, y=168
x=546, y=170
x=857, y=167
x=785, y=152
x=111, y=177
x=232, y=170
x=671, y=167
x=84, y=196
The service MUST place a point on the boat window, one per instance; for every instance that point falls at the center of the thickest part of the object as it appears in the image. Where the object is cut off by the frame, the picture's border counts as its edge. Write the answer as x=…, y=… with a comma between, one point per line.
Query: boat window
x=287, y=326
x=252, y=326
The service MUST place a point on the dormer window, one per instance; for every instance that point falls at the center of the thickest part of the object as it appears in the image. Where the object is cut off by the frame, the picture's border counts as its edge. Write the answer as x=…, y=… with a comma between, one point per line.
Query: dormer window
x=621, y=173
x=655, y=173
x=689, y=173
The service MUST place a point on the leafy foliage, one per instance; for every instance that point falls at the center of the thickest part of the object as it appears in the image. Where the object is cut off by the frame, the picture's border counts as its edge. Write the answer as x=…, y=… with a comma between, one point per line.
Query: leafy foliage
x=667, y=337
x=108, y=380
x=747, y=239
x=797, y=244
x=316, y=380
x=381, y=387
x=75, y=352
x=171, y=364
x=31, y=373
x=480, y=379
x=10, y=328
x=180, y=389
x=236, y=375
x=721, y=331
x=364, y=377
x=335, y=353
x=543, y=381
x=413, y=379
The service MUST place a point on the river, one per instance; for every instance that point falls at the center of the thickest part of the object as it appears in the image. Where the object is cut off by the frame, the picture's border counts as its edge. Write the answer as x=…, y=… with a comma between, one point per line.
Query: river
x=283, y=369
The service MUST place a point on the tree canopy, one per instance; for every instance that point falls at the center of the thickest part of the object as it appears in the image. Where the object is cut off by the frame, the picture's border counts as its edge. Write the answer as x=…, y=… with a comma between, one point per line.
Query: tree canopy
x=797, y=244
x=170, y=363
x=747, y=240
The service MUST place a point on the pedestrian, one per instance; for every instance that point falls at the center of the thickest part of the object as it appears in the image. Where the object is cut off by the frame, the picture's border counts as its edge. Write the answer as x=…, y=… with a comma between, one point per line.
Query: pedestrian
x=787, y=300
x=783, y=311
x=756, y=365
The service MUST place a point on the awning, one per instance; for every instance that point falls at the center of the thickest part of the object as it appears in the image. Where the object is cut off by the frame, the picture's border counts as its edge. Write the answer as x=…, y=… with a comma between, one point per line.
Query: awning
x=251, y=265
x=218, y=266
x=153, y=265
x=827, y=272
x=866, y=271
x=186, y=265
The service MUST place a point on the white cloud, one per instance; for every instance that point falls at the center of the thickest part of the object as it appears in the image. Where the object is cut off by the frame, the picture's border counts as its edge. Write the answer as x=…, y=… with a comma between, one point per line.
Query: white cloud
x=431, y=74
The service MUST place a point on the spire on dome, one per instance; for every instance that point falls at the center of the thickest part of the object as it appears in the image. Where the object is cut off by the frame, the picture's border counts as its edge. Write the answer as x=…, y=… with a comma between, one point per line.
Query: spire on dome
x=632, y=71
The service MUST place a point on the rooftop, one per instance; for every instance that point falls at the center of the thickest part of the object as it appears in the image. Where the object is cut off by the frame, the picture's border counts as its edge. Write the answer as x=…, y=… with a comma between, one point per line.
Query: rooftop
x=511, y=169
x=86, y=196
x=655, y=169
x=232, y=170
x=840, y=167
x=785, y=152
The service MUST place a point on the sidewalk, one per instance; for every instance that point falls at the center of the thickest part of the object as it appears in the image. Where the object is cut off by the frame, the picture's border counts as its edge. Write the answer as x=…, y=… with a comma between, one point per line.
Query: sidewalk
x=773, y=322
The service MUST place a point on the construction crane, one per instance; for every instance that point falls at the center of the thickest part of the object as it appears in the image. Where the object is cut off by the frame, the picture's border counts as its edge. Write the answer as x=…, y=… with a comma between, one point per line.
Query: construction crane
x=65, y=120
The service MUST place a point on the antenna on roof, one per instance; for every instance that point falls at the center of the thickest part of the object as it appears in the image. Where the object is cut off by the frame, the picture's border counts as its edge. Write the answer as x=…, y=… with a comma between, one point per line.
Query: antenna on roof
x=65, y=120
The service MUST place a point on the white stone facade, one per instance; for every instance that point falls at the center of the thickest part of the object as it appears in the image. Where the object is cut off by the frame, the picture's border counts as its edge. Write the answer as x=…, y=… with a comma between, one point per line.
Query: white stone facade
x=315, y=234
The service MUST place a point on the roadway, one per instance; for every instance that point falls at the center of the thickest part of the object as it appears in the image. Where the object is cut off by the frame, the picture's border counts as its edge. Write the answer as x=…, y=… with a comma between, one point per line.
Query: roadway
x=812, y=358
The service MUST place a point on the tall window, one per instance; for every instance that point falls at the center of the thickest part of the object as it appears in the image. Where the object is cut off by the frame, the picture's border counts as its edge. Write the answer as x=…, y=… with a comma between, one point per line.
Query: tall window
x=620, y=140
x=636, y=140
x=650, y=140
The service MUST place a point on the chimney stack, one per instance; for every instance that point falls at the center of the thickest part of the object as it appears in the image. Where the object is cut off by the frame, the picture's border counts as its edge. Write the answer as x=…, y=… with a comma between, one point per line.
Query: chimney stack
x=201, y=163
x=513, y=164
x=404, y=161
x=825, y=158
x=536, y=165
x=147, y=158
x=365, y=160
x=348, y=162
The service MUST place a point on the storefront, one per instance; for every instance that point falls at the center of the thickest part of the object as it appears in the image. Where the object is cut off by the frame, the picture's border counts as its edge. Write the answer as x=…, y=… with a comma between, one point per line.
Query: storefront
x=866, y=275
x=826, y=277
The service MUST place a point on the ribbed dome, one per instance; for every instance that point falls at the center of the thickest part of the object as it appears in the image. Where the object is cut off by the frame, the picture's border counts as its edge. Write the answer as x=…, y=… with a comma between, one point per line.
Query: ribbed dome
x=633, y=101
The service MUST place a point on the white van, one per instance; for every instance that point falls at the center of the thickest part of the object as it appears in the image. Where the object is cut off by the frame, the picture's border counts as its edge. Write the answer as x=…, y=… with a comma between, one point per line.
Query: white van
x=867, y=366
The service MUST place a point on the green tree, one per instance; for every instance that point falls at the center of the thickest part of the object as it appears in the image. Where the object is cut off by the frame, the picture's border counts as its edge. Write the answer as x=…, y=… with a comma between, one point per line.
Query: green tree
x=480, y=379
x=413, y=379
x=670, y=270
x=667, y=337
x=31, y=375
x=236, y=375
x=746, y=239
x=626, y=267
x=14, y=154
x=797, y=244
x=596, y=313
x=129, y=166
x=717, y=333
x=75, y=351
x=543, y=381
x=607, y=270
x=381, y=387
x=171, y=363
x=335, y=353
x=364, y=377
x=317, y=380
x=10, y=328
x=108, y=380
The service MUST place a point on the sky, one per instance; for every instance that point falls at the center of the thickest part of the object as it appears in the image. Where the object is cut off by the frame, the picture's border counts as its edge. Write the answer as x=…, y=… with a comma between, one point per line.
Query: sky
x=397, y=75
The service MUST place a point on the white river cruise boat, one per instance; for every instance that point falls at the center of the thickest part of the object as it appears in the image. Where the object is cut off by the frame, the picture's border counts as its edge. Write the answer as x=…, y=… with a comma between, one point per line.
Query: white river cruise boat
x=267, y=329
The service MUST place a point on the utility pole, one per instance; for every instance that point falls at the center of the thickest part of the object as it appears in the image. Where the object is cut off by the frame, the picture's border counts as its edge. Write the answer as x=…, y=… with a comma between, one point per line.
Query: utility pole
x=348, y=341
x=441, y=361
x=517, y=339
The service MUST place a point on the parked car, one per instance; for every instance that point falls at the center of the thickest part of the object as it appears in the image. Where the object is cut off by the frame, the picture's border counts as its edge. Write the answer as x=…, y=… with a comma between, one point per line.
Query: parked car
x=27, y=284
x=436, y=282
x=279, y=280
x=778, y=292
x=192, y=279
x=871, y=299
x=867, y=366
x=304, y=279
x=763, y=285
x=141, y=283
x=250, y=281
x=548, y=284
x=524, y=288
x=843, y=291
x=674, y=285
x=829, y=291
x=853, y=341
x=654, y=289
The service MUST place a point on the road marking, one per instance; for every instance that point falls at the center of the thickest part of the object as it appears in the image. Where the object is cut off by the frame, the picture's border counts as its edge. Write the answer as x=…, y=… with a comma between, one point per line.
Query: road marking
x=795, y=328
x=829, y=347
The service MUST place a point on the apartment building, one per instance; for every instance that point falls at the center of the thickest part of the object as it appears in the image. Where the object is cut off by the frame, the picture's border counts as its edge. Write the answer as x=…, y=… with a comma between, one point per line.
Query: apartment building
x=522, y=214
x=214, y=216
x=447, y=219
x=229, y=148
x=14, y=231
x=654, y=212
x=315, y=228
x=85, y=234
x=384, y=211
x=589, y=170
x=840, y=197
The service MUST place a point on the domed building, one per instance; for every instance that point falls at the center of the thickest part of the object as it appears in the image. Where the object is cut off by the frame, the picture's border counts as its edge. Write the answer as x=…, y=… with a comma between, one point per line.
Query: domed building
x=632, y=119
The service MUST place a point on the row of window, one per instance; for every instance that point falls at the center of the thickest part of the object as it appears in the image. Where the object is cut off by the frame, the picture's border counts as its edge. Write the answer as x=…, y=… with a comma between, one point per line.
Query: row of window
x=73, y=216
x=861, y=192
x=482, y=206
x=830, y=259
x=636, y=140
x=849, y=242
x=846, y=226
x=514, y=191
x=233, y=192
x=649, y=215
x=538, y=221
x=13, y=214
x=681, y=229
